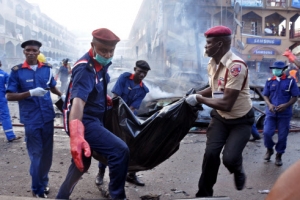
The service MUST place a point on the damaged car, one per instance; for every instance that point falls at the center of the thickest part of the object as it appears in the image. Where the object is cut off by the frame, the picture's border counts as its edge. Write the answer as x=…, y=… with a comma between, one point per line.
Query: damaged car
x=157, y=98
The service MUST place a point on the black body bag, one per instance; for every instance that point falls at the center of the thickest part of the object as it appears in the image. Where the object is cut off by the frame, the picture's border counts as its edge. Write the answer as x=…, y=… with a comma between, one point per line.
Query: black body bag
x=153, y=140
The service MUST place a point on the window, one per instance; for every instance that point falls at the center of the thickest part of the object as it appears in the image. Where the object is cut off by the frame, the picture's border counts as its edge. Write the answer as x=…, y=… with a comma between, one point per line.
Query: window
x=276, y=3
x=19, y=11
x=10, y=4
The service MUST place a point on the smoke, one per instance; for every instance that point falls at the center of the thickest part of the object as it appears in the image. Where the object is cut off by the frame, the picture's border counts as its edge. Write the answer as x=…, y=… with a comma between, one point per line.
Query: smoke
x=157, y=93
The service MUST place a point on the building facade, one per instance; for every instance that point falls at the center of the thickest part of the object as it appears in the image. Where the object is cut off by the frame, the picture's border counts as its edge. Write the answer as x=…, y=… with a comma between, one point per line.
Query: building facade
x=21, y=21
x=170, y=33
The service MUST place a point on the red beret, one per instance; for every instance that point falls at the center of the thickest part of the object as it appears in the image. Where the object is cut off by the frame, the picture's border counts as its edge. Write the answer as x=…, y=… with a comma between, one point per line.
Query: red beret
x=218, y=31
x=106, y=36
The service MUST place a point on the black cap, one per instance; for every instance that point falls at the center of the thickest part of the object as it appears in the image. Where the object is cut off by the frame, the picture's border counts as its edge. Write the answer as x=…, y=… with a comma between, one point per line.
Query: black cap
x=31, y=43
x=66, y=60
x=142, y=64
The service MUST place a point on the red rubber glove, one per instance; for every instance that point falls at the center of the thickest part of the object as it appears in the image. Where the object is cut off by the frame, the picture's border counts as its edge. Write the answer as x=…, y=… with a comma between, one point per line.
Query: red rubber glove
x=109, y=100
x=78, y=143
x=288, y=53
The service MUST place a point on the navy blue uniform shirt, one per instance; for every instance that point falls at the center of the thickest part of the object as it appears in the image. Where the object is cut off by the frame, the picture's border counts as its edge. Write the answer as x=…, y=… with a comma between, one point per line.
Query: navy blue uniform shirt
x=131, y=93
x=33, y=110
x=88, y=82
x=280, y=92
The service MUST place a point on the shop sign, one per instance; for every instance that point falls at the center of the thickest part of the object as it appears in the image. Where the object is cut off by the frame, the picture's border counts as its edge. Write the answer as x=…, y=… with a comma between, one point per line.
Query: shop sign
x=263, y=41
x=248, y=3
x=295, y=4
x=264, y=52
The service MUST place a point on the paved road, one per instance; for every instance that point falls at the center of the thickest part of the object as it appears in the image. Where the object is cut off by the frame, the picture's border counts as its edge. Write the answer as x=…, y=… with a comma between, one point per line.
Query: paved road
x=175, y=178
x=179, y=173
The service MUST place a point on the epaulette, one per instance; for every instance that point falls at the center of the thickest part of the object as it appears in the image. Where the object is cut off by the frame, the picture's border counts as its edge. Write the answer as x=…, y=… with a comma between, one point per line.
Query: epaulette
x=289, y=77
x=269, y=79
x=47, y=65
x=15, y=68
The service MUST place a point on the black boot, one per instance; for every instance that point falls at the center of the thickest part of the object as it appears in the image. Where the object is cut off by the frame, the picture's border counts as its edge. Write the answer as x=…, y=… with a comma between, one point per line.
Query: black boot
x=99, y=177
x=132, y=178
x=269, y=153
x=278, y=160
x=240, y=179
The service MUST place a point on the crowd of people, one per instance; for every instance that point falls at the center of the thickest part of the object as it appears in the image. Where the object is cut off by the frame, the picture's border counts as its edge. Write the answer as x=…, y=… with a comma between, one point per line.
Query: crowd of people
x=86, y=102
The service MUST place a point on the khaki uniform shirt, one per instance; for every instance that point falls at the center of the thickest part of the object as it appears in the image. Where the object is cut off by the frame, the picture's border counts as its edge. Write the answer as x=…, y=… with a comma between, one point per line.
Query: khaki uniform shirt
x=237, y=72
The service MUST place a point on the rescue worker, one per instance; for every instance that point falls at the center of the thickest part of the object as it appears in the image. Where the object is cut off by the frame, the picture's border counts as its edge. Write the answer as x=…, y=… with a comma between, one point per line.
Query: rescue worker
x=232, y=114
x=132, y=90
x=41, y=58
x=26, y=85
x=63, y=74
x=4, y=110
x=292, y=58
x=280, y=93
x=84, y=114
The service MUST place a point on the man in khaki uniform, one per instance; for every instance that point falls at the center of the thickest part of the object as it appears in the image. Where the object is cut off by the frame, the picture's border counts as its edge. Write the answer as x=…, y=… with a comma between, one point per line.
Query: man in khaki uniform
x=232, y=114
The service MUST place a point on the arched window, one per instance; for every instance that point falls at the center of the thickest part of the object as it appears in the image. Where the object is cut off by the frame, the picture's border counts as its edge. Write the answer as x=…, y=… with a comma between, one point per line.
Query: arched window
x=27, y=15
x=19, y=11
x=10, y=4
x=1, y=20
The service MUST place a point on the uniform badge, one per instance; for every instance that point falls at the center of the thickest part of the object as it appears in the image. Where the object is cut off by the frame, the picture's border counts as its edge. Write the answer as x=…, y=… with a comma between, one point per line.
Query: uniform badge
x=235, y=70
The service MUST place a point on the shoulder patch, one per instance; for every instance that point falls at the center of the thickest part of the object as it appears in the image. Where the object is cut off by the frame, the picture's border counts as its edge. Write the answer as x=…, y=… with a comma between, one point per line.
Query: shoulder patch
x=269, y=79
x=235, y=69
x=15, y=68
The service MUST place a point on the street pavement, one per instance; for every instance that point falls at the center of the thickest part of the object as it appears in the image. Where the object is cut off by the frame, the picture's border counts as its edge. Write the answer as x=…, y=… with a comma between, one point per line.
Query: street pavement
x=176, y=178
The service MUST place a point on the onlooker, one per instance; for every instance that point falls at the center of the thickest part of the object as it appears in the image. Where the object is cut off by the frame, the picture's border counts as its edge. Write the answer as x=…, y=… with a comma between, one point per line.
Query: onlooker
x=84, y=114
x=286, y=186
x=132, y=90
x=4, y=111
x=280, y=93
x=232, y=114
x=25, y=85
x=63, y=74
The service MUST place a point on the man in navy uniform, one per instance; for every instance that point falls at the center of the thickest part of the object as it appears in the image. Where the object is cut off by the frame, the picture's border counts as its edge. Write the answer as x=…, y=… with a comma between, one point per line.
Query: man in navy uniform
x=132, y=90
x=27, y=84
x=4, y=111
x=280, y=93
x=84, y=115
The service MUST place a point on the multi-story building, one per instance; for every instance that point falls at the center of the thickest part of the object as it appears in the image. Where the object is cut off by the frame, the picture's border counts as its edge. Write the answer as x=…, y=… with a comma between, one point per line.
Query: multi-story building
x=170, y=33
x=21, y=21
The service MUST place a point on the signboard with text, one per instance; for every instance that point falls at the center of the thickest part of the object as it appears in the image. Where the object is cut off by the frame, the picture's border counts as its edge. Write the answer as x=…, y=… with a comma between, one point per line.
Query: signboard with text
x=266, y=41
x=248, y=3
x=295, y=3
x=264, y=52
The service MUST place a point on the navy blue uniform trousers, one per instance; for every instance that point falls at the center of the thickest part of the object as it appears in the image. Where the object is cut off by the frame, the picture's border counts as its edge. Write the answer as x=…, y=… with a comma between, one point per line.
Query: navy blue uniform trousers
x=233, y=135
x=39, y=142
x=111, y=147
x=283, y=126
